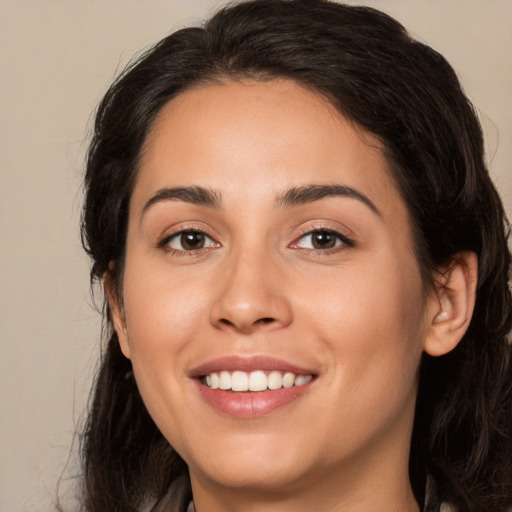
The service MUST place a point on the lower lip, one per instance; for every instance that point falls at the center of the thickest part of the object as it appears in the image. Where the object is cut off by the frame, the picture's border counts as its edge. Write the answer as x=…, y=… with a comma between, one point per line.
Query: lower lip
x=250, y=404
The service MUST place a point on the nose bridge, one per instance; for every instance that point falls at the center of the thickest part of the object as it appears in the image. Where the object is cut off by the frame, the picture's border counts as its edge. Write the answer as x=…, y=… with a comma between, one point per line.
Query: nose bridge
x=251, y=295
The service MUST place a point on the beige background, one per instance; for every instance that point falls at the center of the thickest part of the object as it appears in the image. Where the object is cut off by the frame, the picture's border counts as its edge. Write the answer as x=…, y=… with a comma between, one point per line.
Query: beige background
x=56, y=59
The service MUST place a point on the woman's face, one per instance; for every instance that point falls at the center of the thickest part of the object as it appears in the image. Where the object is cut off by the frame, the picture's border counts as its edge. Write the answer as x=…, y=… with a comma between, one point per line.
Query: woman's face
x=268, y=247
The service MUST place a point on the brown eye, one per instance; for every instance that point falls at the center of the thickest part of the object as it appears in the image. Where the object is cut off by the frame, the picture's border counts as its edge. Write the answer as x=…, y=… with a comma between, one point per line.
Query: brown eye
x=190, y=241
x=322, y=239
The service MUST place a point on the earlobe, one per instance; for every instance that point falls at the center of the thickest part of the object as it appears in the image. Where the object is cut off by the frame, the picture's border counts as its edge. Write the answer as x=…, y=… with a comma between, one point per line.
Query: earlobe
x=451, y=307
x=117, y=313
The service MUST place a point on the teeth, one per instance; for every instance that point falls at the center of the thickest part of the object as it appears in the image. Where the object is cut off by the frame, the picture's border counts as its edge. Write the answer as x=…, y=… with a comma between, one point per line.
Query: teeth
x=274, y=380
x=239, y=381
x=288, y=380
x=257, y=381
x=254, y=381
x=224, y=380
x=301, y=379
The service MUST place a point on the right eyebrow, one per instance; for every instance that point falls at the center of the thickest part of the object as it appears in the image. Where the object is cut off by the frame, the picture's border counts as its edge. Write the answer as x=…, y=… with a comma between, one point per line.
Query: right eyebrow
x=195, y=195
x=311, y=193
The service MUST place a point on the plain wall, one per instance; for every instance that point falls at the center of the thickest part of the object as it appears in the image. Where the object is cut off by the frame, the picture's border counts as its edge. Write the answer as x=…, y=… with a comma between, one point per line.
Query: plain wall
x=57, y=57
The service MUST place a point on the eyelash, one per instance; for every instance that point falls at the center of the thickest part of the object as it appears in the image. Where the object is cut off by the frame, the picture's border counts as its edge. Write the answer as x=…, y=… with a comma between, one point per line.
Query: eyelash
x=164, y=243
x=343, y=242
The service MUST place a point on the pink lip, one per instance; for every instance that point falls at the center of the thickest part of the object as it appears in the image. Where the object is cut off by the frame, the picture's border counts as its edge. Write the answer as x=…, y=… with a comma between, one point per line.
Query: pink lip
x=249, y=404
x=248, y=364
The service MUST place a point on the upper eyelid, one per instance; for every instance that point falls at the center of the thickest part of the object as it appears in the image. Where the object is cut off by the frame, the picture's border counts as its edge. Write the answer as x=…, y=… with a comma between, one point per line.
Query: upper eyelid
x=166, y=238
x=347, y=240
x=346, y=235
x=313, y=226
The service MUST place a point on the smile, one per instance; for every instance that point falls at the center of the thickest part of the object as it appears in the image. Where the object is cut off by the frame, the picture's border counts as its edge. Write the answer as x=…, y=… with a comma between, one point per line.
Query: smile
x=258, y=380
x=251, y=387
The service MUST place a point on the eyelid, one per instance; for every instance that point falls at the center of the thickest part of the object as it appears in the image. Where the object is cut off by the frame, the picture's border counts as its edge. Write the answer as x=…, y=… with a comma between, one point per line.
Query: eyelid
x=164, y=240
x=347, y=241
x=179, y=234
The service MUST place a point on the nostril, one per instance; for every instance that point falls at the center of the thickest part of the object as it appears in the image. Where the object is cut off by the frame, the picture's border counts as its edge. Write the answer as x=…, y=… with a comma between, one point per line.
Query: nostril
x=266, y=320
x=260, y=321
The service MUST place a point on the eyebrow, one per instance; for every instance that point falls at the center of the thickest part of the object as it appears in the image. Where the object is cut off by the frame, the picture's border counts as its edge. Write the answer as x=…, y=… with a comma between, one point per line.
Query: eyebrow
x=195, y=195
x=310, y=193
x=295, y=196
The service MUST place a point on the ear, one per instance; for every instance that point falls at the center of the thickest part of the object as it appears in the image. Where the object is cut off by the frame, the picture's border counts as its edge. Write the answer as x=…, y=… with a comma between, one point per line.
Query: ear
x=451, y=305
x=117, y=311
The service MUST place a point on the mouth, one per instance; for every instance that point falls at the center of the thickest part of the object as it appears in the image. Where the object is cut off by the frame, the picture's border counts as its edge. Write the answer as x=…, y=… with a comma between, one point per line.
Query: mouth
x=249, y=387
x=255, y=381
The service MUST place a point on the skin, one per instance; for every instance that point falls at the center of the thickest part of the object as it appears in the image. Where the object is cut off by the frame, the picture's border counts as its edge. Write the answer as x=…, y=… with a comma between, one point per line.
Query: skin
x=356, y=315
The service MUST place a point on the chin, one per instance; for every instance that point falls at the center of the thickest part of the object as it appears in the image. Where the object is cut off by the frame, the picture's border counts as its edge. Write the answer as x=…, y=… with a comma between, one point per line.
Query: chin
x=263, y=473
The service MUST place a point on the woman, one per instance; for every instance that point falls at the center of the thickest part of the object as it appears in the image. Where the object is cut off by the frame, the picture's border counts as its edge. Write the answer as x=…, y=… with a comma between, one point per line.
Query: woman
x=306, y=269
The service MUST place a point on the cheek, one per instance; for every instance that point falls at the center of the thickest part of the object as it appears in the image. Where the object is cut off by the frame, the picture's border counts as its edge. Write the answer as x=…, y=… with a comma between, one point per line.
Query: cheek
x=371, y=321
x=156, y=300
x=162, y=316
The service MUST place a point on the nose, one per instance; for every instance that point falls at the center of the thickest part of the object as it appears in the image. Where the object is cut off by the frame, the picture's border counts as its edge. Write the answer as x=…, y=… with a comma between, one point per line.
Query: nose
x=251, y=296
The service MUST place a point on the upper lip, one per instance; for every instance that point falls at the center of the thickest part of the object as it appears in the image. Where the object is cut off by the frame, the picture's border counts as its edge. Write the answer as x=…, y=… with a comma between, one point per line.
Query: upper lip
x=247, y=364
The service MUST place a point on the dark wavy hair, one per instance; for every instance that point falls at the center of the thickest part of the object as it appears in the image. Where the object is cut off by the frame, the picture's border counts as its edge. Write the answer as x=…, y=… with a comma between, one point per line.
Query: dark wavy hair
x=408, y=96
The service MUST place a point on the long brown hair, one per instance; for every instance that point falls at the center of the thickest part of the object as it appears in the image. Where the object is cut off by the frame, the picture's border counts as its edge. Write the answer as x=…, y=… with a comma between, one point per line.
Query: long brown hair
x=407, y=95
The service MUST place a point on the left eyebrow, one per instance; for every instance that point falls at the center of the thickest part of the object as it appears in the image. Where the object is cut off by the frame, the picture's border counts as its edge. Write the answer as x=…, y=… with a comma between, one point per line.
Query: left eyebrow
x=194, y=195
x=310, y=193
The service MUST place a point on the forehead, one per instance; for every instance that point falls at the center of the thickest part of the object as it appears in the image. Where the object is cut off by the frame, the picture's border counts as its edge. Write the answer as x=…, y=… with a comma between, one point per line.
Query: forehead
x=245, y=138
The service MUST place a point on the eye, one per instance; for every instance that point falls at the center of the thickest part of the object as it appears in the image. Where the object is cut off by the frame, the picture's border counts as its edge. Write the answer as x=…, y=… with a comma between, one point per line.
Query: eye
x=322, y=239
x=188, y=241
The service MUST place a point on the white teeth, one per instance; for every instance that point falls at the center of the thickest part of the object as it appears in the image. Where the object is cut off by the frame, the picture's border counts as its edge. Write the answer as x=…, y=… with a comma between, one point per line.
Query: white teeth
x=239, y=381
x=257, y=381
x=302, y=379
x=254, y=381
x=288, y=380
x=274, y=380
x=224, y=380
x=214, y=381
